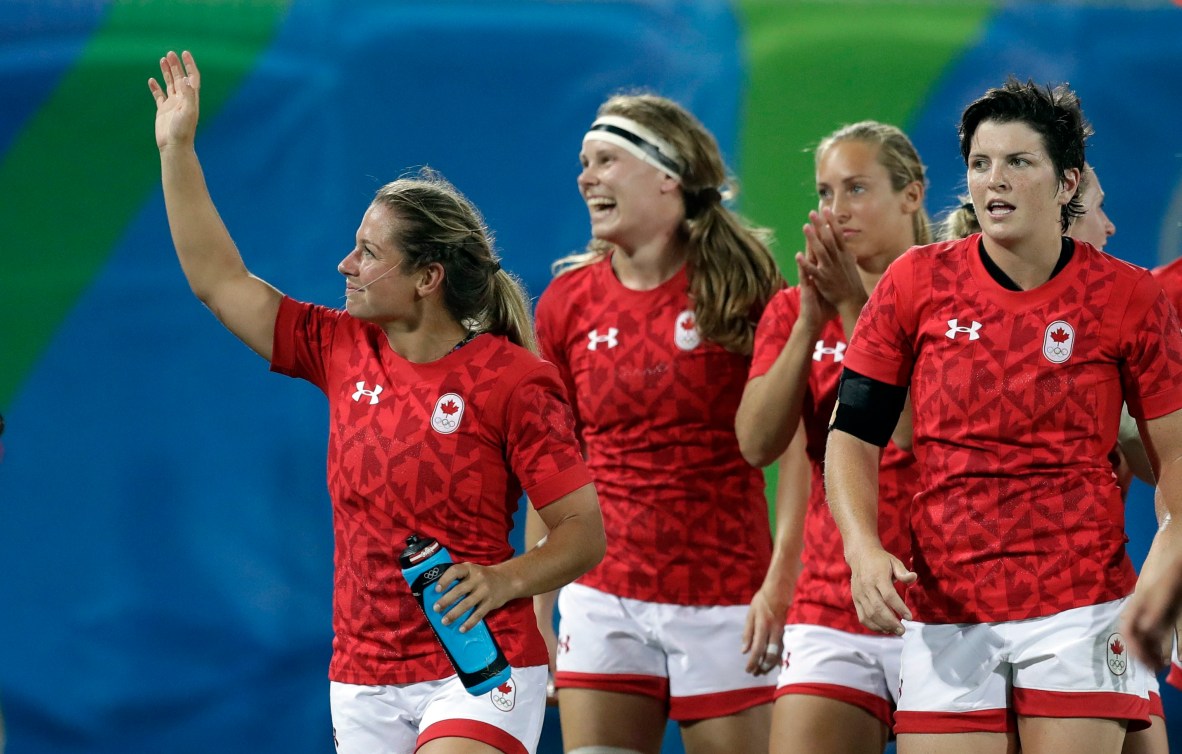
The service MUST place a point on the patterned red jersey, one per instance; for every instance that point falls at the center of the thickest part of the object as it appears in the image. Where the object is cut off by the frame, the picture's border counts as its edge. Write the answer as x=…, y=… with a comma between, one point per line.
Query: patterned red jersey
x=1017, y=399
x=686, y=516
x=822, y=594
x=1169, y=277
x=441, y=449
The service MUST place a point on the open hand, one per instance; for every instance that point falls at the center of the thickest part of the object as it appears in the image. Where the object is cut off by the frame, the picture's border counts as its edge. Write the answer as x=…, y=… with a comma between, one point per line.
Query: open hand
x=177, y=100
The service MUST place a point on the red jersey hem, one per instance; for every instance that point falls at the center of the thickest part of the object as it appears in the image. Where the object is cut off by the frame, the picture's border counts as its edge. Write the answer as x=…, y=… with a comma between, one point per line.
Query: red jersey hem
x=923, y=611
x=875, y=705
x=475, y=730
x=733, y=599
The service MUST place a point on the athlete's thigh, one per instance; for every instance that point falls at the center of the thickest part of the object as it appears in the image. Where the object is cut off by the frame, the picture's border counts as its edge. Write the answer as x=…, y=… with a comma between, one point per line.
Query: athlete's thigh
x=748, y=730
x=961, y=743
x=591, y=717
x=1078, y=735
x=826, y=724
x=1152, y=740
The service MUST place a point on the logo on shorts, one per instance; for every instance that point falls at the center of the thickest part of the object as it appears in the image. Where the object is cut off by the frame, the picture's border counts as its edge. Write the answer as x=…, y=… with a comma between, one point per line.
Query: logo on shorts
x=564, y=643
x=504, y=696
x=449, y=409
x=685, y=332
x=1058, y=341
x=1118, y=660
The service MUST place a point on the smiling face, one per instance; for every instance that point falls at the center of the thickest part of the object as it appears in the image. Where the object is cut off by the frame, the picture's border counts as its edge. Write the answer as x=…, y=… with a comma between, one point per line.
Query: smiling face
x=376, y=286
x=875, y=219
x=1093, y=226
x=630, y=201
x=1015, y=190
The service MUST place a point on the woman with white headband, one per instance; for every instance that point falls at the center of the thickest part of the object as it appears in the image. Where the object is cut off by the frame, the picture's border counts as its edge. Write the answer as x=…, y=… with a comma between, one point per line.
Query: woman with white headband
x=652, y=328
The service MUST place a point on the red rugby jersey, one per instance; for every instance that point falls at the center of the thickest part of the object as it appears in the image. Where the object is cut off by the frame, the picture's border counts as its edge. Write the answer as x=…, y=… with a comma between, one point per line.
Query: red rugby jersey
x=1169, y=277
x=822, y=594
x=1017, y=399
x=686, y=516
x=441, y=449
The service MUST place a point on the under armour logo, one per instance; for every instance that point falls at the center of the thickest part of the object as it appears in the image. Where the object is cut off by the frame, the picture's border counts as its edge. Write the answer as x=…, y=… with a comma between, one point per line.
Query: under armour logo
x=596, y=339
x=371, y=394
x=564, y=643
x=954, y=328
x=837, y=352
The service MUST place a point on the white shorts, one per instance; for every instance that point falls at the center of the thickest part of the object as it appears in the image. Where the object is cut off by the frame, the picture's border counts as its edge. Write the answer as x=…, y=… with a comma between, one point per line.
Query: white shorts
x=399, y=719
x=968, y=677
x=686, y=654
x=858, y=669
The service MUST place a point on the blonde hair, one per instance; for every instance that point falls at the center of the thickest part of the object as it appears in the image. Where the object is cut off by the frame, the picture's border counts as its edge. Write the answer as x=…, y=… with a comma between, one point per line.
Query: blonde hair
x=960, y=222
x=732, y=273
x=897, y=154
x=437, y=223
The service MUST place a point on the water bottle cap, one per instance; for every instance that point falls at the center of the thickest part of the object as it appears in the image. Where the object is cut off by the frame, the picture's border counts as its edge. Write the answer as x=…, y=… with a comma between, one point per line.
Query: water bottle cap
x=417, y=550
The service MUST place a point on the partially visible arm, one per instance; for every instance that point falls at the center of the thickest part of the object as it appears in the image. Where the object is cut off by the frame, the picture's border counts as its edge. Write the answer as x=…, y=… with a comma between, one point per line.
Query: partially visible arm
x=246, y=305
x=1128, y=440
x=902, y=436
x=770, y=408
x=576, y=543
x=1157, y=603
x=851, y=485
x=544, y=603
x=765, y=618
x=771, y=404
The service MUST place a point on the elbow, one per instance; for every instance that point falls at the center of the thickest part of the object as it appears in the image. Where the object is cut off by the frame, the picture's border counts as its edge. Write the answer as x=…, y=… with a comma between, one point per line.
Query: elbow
x=757, y=454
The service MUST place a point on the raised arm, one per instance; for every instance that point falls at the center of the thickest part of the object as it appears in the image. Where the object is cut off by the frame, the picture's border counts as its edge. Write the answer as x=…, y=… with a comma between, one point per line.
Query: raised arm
x=246, y=305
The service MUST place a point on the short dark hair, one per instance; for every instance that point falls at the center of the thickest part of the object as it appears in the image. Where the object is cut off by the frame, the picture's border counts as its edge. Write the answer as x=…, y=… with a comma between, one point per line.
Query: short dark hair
x=1054, y=113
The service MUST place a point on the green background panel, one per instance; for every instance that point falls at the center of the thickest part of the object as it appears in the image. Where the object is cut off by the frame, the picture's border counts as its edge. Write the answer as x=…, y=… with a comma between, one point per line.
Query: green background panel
x=61, y=160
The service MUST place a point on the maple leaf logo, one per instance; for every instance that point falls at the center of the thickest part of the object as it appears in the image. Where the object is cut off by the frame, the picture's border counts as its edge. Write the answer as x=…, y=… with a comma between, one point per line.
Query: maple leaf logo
x=1117, y=647
x=449, y=408
x=505, y=688
x=687, y=323
x=1060, y=336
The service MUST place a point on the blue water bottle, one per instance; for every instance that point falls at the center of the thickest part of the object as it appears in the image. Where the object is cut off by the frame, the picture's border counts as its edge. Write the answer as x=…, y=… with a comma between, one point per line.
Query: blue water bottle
x=479, y=662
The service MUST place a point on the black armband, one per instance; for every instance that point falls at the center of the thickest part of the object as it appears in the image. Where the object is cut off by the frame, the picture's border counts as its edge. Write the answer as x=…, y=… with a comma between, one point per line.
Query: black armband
x=866, y=408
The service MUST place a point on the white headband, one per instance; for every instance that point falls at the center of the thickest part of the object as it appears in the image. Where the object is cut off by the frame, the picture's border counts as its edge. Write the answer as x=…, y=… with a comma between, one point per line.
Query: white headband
x=638, y=141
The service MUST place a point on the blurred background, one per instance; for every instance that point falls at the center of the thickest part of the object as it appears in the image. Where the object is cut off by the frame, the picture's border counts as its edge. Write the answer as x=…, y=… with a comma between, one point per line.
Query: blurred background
x=165, y=544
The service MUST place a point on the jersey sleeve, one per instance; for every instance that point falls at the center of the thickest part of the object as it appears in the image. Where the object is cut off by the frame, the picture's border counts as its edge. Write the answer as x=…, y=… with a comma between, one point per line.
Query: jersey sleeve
x=303, y=336
x=883, y=345
x=542, y=449
x=552, y=346
x=773, y=330
x=1152, y=349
